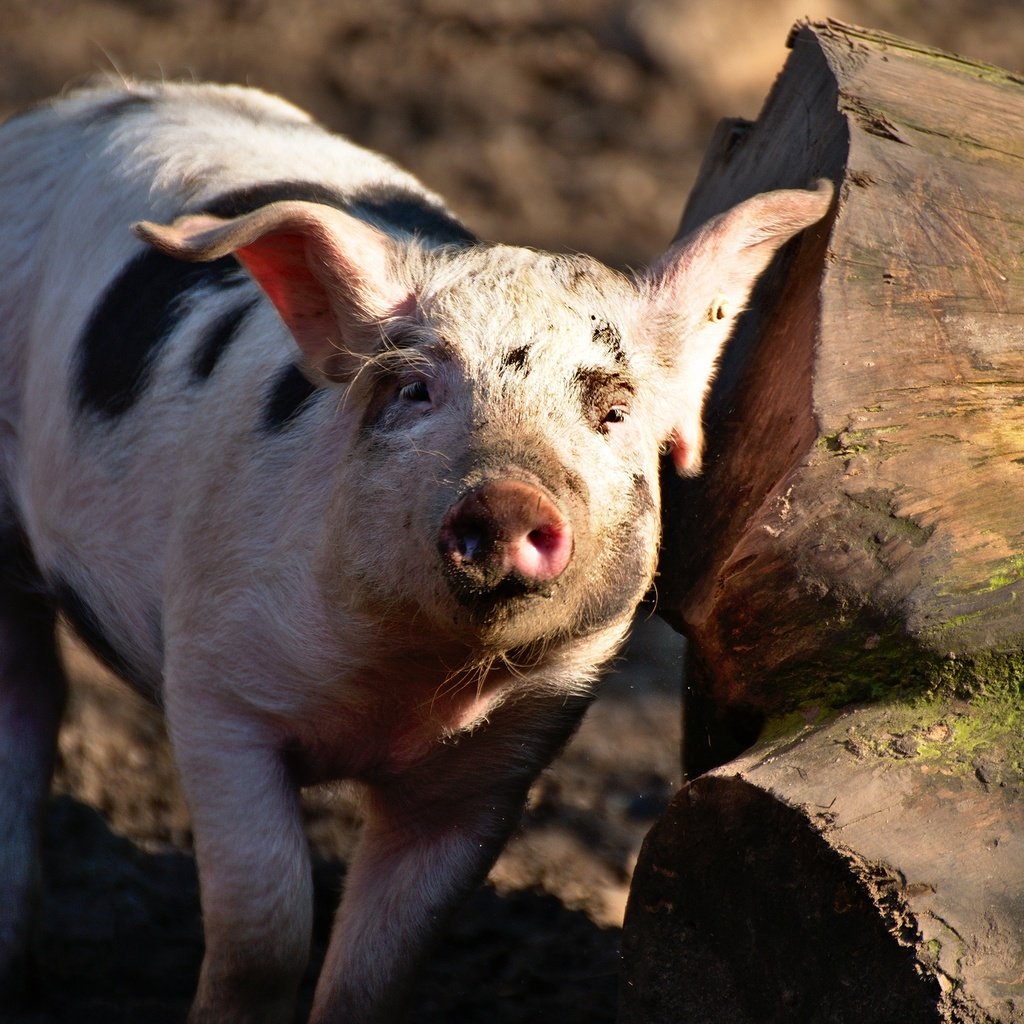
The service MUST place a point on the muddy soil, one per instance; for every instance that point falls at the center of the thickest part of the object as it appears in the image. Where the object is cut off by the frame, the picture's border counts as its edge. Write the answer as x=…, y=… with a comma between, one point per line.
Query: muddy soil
x=570, y=125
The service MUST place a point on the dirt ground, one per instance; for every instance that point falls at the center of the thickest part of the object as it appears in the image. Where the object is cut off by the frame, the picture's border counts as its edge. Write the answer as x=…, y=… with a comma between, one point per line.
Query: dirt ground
x=567, y=125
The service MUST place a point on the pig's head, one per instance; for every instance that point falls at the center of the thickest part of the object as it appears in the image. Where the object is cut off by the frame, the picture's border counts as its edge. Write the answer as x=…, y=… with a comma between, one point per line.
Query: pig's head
x=504, y=409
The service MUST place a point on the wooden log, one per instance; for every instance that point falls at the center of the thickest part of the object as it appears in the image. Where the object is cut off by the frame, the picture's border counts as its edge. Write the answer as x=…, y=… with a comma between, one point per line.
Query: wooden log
x=861, y=545
x=860, y=515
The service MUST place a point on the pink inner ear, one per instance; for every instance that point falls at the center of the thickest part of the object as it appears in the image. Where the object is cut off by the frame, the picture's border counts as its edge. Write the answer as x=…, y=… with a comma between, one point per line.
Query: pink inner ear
x=278, y=262
x=686, y=444
x=685, y=457
x=328, y=298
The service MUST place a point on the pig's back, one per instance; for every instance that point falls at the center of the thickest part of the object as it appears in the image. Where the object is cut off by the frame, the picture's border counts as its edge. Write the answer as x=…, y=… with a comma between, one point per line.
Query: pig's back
x=120, y=366
x=77, y=173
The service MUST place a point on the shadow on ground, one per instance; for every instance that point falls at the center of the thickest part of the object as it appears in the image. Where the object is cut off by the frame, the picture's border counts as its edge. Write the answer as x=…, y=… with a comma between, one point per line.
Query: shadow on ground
x=121, y=941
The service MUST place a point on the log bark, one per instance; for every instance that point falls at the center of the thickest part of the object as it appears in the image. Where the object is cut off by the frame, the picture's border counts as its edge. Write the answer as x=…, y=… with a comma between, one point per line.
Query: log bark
x=855, y=601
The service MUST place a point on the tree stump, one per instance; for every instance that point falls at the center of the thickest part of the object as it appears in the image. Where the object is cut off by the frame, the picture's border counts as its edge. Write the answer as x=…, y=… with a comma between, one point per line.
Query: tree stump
x=849, y=572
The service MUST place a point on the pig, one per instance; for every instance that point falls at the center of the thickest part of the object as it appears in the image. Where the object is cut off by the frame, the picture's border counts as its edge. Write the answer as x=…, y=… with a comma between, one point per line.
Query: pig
x=347, y=492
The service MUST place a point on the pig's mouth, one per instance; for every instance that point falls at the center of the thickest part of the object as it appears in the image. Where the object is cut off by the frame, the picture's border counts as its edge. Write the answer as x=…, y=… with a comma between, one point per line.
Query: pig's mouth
x=484, y=595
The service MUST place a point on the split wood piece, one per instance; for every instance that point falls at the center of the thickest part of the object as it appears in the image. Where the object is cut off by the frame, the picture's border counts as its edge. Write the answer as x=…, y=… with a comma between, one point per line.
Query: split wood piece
x=858, y=531
x=856, y=540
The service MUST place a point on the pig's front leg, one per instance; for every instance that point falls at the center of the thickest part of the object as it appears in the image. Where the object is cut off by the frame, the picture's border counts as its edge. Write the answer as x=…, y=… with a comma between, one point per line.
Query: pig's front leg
x=431, y=836
x=32, y=689
x=253, y=861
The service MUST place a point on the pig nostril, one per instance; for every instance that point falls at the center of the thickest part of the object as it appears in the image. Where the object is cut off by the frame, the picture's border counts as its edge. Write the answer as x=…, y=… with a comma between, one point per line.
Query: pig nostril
x=544, y=551
x=543, y=538
x=468, y=544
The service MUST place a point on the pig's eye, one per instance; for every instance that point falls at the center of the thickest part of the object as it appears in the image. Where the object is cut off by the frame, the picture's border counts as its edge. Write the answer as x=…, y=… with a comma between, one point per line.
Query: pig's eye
x=605, y=395
x=417, y=391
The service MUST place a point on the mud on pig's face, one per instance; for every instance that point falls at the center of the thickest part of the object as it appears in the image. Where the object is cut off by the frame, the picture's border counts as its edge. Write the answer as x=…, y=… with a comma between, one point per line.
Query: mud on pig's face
x=510, y=426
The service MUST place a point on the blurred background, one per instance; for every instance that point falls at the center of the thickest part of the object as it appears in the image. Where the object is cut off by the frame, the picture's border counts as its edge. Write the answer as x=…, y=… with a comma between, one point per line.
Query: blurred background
x=561, y=124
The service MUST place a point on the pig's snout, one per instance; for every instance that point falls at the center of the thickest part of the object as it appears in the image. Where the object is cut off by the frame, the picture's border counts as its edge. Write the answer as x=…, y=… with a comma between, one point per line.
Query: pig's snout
x=506, y=537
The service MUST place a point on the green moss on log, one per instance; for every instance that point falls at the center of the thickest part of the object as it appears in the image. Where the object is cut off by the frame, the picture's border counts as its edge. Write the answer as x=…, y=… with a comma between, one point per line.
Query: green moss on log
x=865, y=663
x=958, y=714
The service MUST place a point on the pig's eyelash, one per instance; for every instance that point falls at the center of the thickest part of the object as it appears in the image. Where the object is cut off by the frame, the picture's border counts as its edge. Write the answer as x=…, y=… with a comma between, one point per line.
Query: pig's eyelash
x=387, y=370
x=415, y=391
x=394, y=361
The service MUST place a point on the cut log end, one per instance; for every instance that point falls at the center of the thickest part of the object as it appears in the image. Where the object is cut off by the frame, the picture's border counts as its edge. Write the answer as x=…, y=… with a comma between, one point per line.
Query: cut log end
x=746, y=914
x=832, y=879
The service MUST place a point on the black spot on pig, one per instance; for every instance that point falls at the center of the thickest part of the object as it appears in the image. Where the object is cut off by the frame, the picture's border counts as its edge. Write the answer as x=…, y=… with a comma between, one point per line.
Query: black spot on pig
x=241, y=201
x=518, y=358
x=216, y=339
x=608, y=336
x=599, y=389
x=291, y=393
x=128, y=328
x=389, y=207
x=129, y=103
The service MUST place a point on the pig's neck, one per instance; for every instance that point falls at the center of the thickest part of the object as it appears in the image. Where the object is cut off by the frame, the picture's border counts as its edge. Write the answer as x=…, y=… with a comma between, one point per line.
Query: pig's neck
x=388, y=715
x=392, y=710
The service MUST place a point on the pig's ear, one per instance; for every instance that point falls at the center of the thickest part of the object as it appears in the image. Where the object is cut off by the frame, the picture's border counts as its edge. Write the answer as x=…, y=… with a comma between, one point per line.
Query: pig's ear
x=703, y=283
x=329, y=275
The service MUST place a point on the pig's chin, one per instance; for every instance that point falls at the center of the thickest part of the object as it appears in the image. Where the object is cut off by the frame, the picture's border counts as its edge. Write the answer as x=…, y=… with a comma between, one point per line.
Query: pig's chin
x=518, y=616
x=506, y=617
x=495, y=610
